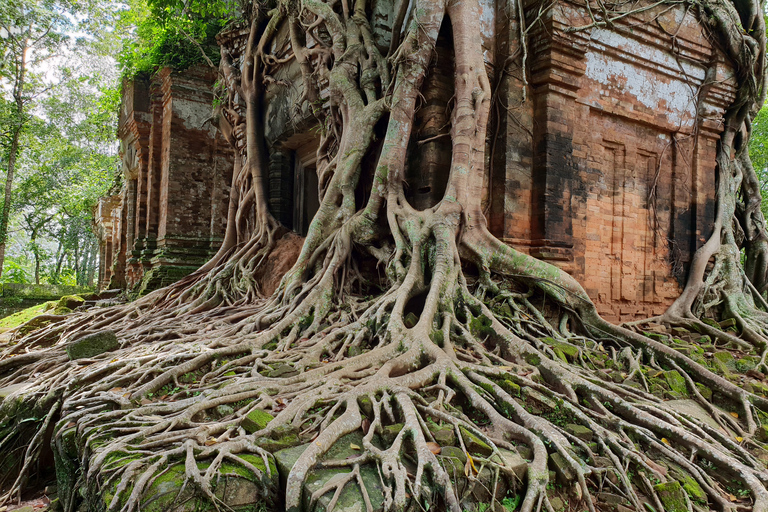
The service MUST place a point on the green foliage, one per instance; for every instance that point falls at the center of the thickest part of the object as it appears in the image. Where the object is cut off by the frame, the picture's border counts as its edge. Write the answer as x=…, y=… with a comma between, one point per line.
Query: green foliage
x=171, y=33
x=14, y=272
x=758, y=152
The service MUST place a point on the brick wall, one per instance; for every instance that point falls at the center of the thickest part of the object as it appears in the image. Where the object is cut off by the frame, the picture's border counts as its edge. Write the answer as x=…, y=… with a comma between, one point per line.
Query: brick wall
x=170, y=216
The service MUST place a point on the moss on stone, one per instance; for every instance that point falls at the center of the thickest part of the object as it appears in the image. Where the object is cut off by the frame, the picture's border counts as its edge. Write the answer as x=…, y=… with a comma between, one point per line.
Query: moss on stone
x=256, y=420
x=92, y=345
x=694, y=490
x=672, y=496
x=474, y=444
x=704, y=390
x=565, y=351
x=676, y=383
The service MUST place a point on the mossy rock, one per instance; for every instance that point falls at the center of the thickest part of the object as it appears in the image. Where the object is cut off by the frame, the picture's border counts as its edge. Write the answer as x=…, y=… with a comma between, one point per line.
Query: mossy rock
x=351, y=497
x=565, y=351
x=92, y=345
x=724, y=362
x=672, y=496
x=474, y=444
x=580, y=432
x=693, y=489
x=390, y=432
x=70, y=302
x=236, y=486
x=747, y=363
x=656, y=336
x=62, y=310
x=256, y=420
x=676, y=382
x=444, y=435
x=704, y=390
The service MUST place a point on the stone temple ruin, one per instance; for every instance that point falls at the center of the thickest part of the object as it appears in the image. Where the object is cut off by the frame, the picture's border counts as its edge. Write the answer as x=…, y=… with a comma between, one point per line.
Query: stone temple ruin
x=169, y=217
x=603, y=164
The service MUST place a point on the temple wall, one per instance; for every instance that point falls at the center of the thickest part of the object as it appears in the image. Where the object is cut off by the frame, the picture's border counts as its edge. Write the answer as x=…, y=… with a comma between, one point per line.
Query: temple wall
x=171, y=213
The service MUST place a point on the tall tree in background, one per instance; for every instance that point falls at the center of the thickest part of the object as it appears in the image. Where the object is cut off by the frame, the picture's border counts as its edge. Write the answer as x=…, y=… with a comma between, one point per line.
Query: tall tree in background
x=59, y=119
x=31, y=34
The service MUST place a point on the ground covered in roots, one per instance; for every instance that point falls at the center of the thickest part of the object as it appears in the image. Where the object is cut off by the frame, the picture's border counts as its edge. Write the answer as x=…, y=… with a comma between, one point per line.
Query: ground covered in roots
x=407, y=360
x=215, y=412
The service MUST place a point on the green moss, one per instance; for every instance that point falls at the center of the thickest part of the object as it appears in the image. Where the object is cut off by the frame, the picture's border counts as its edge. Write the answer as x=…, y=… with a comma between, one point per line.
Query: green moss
x=481, y=326
x=694, y=490
x=656, y=336
x=711, y=323
x=672, y=496
x=565, y=351
x=92, y=345
x=62, y=310
x=436, y=337
x=256, y=420
x=704, y=390
x=676, y=383
x=366, y=406
x=747, y=363
x=16, y=319
x=510, y=387
x=532, y=359
x=474, y=444
x=70, y=302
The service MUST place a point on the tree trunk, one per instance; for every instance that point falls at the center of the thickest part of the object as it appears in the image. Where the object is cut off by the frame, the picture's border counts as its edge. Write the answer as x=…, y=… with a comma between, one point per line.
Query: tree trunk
x=18, y=96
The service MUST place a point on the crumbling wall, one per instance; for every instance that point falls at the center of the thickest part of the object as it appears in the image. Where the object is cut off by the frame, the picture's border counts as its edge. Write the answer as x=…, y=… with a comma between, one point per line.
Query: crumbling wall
x=170, y=216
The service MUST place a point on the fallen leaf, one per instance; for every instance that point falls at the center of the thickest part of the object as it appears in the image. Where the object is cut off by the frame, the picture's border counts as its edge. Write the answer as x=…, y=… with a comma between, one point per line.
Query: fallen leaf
x=113, y=361
x=665, y=441
x=739, y=439
x=732, y=497
x=366, y=424
x=115, y=390
x=735, y=415
x=212, y=441
x=471, y=462
x=354, y=446
x=658, y=374
x=434, y=448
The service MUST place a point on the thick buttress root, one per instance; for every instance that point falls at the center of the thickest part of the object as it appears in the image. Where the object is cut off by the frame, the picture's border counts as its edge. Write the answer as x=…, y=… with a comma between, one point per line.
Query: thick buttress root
x=468, y=373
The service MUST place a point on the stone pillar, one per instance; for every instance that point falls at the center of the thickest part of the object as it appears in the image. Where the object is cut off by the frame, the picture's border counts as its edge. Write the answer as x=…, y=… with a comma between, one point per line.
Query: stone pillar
x=558, y=64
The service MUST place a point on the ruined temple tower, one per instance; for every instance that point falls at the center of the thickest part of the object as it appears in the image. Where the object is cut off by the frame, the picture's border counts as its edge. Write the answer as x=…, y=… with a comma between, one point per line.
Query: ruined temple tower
x=601, y=151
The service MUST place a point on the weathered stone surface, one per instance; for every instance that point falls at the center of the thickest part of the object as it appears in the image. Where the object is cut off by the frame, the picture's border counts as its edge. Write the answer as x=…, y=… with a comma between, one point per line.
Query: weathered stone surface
x=694, y=410
x=514, y=463
x=236, y=487
x=9, y=390
x=444, y=435
x=580, y=431
x=564, y=472
x=351, y=498
x=92, y=345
